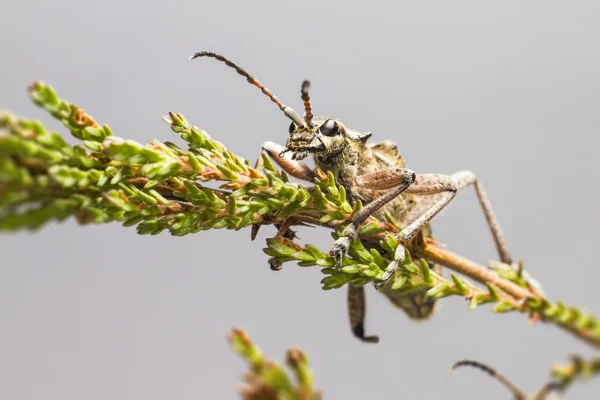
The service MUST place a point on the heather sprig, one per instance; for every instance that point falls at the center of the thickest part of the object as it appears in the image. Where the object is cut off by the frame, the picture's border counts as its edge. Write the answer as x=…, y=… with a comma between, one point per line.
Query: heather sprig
x=162, y=186
x=266, y=379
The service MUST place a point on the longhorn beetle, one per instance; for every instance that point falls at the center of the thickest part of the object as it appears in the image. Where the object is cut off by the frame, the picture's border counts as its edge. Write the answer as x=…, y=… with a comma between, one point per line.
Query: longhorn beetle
x=375, y=174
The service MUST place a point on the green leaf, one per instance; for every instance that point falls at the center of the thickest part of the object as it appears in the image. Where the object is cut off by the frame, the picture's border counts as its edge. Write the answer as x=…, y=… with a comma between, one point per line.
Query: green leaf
x=493, y=293
x=316, y=253
x=426, y=271
x=351, y=269
x=439, y=290
x=332, y=216
x=92, y=145
x=504, y=306
x=459, y=284
x=357, y=250
x=369, y=228
x=277, y=246
x=389, y=243
x=412, y=268
x=319, y=199
x=303, y=255
x=377, y=258
x=399, y=282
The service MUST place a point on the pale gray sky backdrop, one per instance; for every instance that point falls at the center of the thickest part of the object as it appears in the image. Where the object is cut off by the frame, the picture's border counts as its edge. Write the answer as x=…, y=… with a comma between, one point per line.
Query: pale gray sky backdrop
x=508, y=89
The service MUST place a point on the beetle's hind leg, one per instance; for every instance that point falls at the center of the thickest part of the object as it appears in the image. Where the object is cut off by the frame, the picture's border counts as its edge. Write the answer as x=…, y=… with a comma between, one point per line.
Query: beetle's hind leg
x=450, y=185
x=447, y=186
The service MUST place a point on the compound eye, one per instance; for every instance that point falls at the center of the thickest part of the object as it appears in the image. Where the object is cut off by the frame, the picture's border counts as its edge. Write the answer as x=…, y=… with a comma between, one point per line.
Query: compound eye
x=292, y=128
x=329, y=128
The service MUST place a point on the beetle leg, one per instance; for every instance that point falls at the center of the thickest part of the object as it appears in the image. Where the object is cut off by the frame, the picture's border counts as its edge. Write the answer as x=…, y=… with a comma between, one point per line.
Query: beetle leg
x=396, y=179
x=356, y=312
x=448, y=186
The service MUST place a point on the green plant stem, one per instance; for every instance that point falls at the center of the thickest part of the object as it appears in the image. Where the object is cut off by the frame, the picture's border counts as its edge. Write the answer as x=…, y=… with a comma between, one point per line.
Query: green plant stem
x=585, y=332
x=158, y=187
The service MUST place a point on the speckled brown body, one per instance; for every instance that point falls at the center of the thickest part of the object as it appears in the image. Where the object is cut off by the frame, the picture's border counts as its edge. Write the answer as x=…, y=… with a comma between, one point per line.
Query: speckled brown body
x=359, y=158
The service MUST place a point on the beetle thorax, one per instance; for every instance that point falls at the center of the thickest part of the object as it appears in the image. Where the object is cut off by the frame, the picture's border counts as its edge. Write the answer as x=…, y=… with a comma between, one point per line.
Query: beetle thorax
x=343, y=163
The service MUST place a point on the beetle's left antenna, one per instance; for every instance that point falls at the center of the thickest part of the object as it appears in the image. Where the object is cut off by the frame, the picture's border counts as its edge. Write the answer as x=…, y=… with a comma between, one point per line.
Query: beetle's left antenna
x=288, y=111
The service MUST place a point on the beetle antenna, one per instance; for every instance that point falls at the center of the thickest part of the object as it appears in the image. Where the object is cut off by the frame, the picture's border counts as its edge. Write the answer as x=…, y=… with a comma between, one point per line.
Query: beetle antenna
x=308, y=115
x=288, y=111
x=518, y=393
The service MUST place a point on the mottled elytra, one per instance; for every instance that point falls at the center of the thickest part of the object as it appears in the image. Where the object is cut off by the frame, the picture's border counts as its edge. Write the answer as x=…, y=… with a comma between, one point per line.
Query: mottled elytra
x=375, y=174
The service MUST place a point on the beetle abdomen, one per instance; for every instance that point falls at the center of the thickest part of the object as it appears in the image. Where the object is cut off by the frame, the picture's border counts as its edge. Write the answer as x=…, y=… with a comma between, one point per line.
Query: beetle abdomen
x=417, y=305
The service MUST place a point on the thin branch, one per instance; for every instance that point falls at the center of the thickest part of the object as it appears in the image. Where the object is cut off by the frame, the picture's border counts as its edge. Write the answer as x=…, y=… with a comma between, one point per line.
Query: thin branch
x=570, y=320
x=158, y=187
x=474, y=271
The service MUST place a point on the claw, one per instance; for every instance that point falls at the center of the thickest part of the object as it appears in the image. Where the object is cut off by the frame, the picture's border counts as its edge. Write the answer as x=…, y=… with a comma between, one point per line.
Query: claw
x=339, y=250
x=391, y=269
x=387, y=275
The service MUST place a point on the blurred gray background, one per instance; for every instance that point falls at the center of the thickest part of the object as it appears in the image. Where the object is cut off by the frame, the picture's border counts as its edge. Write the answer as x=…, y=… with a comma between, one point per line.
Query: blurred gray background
x=510, y=90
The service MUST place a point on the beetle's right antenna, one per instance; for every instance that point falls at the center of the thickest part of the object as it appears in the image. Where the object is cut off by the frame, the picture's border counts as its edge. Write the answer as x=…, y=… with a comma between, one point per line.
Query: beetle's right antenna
x=308, y=115
x=518, y=393
x=288, y=111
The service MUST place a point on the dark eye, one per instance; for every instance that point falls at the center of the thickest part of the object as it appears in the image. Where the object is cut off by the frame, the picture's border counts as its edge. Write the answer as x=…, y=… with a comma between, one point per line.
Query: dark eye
x=329, y=128
x=292, y=128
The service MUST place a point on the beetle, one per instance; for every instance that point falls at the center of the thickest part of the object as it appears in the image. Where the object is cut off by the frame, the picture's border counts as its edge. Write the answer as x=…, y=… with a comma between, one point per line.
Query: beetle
x=375, y=174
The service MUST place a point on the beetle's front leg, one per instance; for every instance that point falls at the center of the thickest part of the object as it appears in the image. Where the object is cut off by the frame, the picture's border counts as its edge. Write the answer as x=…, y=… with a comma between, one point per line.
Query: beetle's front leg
x=295, y=168
x=283, y=231
x=396, y=179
